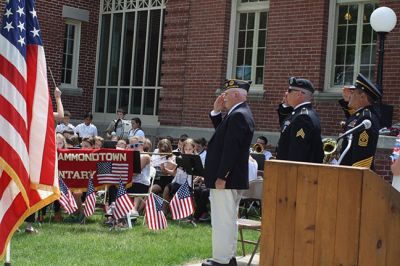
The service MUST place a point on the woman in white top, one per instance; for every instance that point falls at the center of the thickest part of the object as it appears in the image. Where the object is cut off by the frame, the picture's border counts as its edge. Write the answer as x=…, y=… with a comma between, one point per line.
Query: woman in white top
x=141, y=182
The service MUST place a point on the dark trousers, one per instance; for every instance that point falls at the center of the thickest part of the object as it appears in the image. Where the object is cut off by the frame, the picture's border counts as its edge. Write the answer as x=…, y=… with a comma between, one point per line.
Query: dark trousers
x=201, y=199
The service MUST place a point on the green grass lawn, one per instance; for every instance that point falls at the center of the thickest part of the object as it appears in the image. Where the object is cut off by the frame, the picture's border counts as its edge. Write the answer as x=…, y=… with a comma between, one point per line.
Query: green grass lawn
x=95, y=244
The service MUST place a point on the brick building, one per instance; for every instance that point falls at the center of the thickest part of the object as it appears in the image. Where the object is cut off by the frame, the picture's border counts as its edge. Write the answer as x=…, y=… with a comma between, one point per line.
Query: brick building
x=164, y=61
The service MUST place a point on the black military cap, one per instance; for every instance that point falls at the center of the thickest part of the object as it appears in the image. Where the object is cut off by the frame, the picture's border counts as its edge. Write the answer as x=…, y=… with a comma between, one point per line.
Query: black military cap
x=301, y=83
x=364, y=84
x=236, y=83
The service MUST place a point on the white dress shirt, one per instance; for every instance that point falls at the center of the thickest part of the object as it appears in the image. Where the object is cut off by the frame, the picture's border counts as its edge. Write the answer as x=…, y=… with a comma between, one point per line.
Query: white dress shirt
x=62, y=127
x=85, y=131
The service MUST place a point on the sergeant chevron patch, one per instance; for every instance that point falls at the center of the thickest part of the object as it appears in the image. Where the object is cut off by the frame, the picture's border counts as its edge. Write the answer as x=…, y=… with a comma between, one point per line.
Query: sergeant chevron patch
x=363, y=139
x=300, y=133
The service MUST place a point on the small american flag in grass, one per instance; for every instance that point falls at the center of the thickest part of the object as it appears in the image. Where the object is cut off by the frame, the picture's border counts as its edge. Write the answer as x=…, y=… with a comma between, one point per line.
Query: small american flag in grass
x=123, y=204
x=181, y=204
x=90, y=201
x=67, y=199
x=155, y=217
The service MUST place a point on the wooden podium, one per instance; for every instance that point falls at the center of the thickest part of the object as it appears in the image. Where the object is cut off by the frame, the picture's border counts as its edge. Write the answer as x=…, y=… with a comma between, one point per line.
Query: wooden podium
x=316, y=214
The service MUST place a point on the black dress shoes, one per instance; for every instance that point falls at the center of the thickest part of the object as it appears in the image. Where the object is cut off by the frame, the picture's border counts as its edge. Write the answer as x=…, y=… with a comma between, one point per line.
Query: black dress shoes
x=210, y=262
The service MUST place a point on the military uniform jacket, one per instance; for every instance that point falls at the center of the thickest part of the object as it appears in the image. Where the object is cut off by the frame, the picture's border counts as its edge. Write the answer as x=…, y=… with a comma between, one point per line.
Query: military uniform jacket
x=300, y=138
x=363, y=144
x=228, y=149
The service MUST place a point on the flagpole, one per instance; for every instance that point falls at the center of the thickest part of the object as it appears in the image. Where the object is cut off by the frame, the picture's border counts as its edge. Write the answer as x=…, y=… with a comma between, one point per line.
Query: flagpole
x=52, y=77
x=7, y=262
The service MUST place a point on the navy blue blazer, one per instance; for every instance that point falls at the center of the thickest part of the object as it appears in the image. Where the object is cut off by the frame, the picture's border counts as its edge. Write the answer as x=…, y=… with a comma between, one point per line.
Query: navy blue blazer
x=228, y=149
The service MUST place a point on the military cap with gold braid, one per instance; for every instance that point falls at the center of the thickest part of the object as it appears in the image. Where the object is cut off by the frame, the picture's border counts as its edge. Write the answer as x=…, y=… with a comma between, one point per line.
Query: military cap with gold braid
x=364, y=84
x=236, y=83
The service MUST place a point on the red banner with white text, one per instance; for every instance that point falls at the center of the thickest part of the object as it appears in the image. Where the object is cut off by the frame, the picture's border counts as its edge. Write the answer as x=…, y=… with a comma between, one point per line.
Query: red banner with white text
x=105, y=166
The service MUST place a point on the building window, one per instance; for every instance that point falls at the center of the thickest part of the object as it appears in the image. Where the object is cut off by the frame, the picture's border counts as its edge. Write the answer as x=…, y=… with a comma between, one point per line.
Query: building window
x=70, y=63
x=354, y=46
x=249, y=36
x=129, y=54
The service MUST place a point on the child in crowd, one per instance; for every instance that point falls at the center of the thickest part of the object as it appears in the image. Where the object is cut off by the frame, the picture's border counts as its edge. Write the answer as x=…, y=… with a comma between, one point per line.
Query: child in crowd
x=201, y=149
x=65, y=125
x=98, y=142
x=86, y=129
x=87, y=143
x=121, y=144
x=60, y=141
x=188, y=147
x=165, y=166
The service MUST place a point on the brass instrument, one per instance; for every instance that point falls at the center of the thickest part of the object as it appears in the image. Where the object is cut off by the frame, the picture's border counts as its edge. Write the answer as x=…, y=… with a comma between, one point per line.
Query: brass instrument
x=257, y=148
x=330, y=148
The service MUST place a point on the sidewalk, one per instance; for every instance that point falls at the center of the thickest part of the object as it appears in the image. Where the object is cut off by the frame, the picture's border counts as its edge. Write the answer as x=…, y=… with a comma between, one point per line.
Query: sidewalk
x=241, y=261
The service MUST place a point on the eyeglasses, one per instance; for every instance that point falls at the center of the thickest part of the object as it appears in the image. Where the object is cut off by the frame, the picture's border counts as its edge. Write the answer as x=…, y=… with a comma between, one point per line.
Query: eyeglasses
x=135, y=145
x=290, y=89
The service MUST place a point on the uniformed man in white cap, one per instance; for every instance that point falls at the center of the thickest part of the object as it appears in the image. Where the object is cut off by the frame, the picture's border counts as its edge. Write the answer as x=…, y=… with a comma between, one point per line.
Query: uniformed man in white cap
x=364, y=142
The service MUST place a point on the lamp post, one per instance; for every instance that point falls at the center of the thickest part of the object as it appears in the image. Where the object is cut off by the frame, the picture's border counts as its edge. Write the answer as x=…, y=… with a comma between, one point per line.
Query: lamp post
x=383, y=20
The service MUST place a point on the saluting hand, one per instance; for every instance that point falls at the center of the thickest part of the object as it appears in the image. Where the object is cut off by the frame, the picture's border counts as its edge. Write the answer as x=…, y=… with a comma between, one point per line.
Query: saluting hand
x=284, y=99
x=346, y=93
x=219, y=103
x=220, y=183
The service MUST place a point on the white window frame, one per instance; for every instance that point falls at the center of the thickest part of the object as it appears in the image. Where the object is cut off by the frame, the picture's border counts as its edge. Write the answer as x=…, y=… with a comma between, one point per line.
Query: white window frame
x=332, y=38
x=125, y=6
x=75, y=57
x=236, y=8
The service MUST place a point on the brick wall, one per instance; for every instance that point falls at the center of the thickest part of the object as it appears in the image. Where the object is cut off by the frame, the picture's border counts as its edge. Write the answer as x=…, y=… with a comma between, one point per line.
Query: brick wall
x=53, y=38
x=296, y=46
x=382, y=164
x=195, y=56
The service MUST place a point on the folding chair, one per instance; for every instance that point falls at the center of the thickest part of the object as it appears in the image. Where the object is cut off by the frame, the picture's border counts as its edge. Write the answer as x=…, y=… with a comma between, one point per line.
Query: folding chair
x=248, y=202
x=255, y=193
x=143, y=196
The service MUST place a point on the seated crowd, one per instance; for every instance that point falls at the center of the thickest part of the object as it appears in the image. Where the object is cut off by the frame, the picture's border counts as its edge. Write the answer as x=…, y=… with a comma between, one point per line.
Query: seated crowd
x=168, y=177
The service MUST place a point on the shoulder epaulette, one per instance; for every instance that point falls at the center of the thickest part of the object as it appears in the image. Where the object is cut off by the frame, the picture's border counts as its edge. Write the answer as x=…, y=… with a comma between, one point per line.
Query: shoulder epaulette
x=304, y=111
x=366, y=112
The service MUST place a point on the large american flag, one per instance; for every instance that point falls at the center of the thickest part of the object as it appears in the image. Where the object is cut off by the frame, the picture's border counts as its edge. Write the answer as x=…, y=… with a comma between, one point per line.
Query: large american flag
x=90, y=201
x=111, y=173
x=155, y=217
x=67, y=200
x=123, y=204
x=27, y=142
x=181, y=204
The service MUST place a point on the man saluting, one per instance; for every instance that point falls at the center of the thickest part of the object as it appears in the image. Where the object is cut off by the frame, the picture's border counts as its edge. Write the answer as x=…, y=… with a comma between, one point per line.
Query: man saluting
x=226, y=168
x=300, y=138
x=364, y=142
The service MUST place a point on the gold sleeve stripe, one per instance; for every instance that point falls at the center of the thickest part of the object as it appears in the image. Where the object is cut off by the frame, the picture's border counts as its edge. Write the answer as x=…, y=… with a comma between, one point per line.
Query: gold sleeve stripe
x=364, y=163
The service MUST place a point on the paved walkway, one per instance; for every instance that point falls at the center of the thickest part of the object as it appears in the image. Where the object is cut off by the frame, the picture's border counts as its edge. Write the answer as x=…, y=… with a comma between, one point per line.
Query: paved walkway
x=241, y=261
